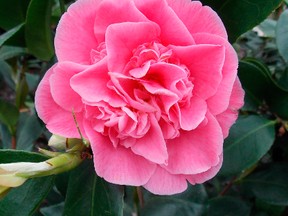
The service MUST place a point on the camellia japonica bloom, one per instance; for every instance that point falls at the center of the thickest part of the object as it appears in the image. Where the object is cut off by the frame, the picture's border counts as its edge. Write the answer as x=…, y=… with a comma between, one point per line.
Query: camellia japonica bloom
x=153, y=85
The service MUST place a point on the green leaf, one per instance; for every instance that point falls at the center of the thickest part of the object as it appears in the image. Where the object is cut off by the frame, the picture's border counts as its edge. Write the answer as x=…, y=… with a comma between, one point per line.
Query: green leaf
x=12, y=13
x=22, y=91
x=54, y=210
x=228, y=206
x=194, y=193
x=8, y=114
x=166, y=206
x=7, y=52
x=267, y=28
x=25, y=199
x=6, y=72
x=11, y=156
x=270, y=185
x=88, y=194
x=38, y=30
x=249, y=140
x=282, y=35
x=5, y=135
x=7, y=35
x=29, y=129
x=239, y=16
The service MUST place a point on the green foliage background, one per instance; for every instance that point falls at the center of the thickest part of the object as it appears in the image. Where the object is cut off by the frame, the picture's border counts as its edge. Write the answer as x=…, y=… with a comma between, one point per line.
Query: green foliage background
x=254, y=176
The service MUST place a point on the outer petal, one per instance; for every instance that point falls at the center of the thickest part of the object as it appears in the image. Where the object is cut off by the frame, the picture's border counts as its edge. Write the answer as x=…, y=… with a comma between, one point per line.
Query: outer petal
x=165, y=183
x=152, y=146
x=92, y=86
x=205, y=176
x=61, y=90
x=198, y=18
x=118, y=165
x=197, y=150
x=74, y=37
x=227, y=118
x=123, y=38
x=111, y=11
x=205, y=63
x=173, y=31
x=57, y=120
x=220, y=101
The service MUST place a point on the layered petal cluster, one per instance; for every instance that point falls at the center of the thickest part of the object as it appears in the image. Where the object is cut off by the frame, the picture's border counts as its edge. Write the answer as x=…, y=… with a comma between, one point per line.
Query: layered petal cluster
x=153, y=85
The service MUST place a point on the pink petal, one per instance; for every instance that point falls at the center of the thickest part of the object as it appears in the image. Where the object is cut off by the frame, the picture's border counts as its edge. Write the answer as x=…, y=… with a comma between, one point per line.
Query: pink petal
x=198, y=18
x=74, y=37
x=228, y=117
x=57, y=120
x=92, y=86
x=111, y=11
x=118, y=165
x=193, y=114
x=152, y=145
x=123, y=38
x=207, y=175
x=220, y=101
x=61, y=90
x=165, y=183
x=197, y=150
x=173, y=31
x=205, y=63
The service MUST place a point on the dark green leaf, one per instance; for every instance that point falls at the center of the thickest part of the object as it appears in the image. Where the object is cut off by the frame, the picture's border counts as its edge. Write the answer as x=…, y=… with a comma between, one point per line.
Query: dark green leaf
x=12, y=13
x=166, y=206
x=4, y=37
x=194, y=193
x=5, y=136
x=8, y=113
x=6, y=72
x=25, y=199
x=228, y=206
x=54, y=210
x=239, y=16
x=88, y=194
x=7, y=52
x=28, y=130
x=271, y=210
x=249, y=140
x=11, y=156
x=38, y=30
x=270, y=185
x=22, y=90
x=282, y=35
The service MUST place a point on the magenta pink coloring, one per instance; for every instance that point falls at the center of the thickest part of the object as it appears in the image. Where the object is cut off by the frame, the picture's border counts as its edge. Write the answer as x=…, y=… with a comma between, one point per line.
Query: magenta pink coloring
x=153, y=85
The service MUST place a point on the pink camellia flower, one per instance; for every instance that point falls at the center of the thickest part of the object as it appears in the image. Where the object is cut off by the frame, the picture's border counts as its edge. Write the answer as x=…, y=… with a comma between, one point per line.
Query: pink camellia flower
x=153, y=85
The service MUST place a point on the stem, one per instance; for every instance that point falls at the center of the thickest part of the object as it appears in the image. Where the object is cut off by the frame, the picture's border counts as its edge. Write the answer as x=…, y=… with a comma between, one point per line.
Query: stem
x=140, y=197
x=228, y=186
x=13, y=142
x=62, y=6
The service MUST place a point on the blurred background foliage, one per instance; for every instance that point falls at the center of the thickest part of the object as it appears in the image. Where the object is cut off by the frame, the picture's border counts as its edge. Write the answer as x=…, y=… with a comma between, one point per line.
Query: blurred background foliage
x=254, y=176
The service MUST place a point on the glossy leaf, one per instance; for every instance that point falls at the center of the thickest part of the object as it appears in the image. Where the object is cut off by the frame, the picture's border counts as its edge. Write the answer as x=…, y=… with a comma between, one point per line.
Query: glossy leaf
x=282, y=35
x=5, y=136
x=6, y=72
x=8, y=113
x=239, y=16
x=7, y=35
x=228, y=206
x=10, y=156
x=12, y=13
x=7, y=52
x=166, y=206
x=88, y=194
x=38, y=29
x=54, y=210
x=25, y=199
x=270, y=185
x=28, y=130
x=249, y=140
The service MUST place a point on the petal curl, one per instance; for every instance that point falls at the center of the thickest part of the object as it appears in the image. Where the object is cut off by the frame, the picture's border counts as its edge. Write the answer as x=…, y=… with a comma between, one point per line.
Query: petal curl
x=57, y=120
x=173, y=31
x=165, y=183
x=123, y=38
x=118, y=165
x=195, y=151
x=228, y=117
x=198, y=18
x=219, y=102
x=75, y=37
